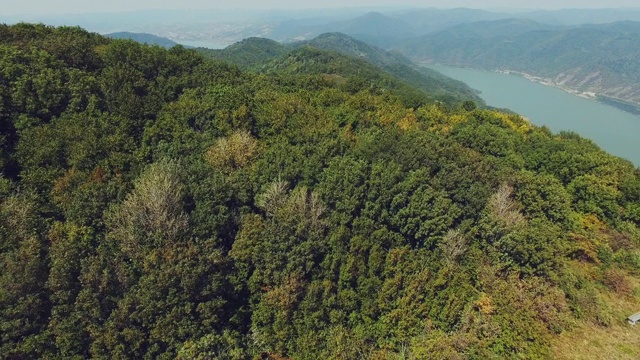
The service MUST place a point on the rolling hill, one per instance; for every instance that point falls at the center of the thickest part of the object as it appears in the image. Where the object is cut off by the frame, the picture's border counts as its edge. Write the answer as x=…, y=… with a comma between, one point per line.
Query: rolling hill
x=347, y=57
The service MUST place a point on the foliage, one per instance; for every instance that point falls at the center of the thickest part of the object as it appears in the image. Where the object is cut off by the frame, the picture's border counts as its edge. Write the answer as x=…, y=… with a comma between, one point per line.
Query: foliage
x=347, y=60
x=155, y=204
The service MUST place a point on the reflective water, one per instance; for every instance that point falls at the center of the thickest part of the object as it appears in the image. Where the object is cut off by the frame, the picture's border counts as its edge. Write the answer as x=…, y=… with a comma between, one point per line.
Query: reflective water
x=614, y=130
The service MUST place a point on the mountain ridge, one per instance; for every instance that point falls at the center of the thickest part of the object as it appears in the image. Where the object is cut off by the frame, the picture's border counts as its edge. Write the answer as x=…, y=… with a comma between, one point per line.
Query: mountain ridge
x=262, y=54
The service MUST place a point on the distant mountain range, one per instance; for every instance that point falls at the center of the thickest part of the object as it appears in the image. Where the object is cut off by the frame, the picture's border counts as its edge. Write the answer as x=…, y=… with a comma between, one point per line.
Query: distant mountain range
x=601, y=59
x=379, y=26
x=384, y=28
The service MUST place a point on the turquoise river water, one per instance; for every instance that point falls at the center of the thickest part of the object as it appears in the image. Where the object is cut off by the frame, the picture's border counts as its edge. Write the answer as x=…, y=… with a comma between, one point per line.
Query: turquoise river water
x=614, y=130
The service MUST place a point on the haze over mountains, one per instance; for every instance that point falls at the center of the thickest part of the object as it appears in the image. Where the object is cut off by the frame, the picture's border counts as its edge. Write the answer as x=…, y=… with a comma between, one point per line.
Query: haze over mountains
x=226, y=27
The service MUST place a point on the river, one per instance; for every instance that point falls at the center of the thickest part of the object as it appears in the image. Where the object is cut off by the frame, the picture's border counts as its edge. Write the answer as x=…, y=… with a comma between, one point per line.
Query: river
x=614, y=130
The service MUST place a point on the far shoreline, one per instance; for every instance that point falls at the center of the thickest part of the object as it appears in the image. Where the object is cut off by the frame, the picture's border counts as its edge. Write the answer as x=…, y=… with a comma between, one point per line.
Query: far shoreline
x=620, y=104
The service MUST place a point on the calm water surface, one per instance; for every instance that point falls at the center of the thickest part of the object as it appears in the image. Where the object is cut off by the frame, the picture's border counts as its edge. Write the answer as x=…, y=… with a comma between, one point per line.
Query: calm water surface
x=614, y=130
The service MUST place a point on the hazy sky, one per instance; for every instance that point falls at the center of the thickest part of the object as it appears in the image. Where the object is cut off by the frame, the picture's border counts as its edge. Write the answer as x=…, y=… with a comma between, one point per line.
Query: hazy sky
x=12, y=7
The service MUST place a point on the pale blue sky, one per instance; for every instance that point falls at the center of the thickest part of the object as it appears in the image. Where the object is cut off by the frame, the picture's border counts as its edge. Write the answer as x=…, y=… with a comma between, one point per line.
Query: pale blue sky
x=12, y=7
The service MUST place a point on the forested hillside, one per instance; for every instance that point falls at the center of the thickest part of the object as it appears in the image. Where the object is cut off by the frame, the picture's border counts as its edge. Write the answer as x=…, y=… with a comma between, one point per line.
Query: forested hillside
x=156, y=204
x=600, y=59
x=143, y=38
x=250, y=54
x=340, y=56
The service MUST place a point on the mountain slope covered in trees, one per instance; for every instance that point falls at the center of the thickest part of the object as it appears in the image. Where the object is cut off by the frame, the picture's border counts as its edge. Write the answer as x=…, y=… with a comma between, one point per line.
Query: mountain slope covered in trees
x=144, y=38
x=601, y=59
x=251, y=53
x=156, y=204
x=336, y=54
x=398, y=65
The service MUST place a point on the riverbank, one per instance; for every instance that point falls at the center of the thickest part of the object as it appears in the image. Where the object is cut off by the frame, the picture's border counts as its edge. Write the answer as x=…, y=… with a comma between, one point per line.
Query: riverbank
x=623, y=105
x=620, y=104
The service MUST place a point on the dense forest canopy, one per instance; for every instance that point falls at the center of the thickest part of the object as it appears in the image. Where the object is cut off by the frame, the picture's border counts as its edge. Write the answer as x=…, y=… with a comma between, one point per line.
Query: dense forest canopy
x=156, y=204
x=342, y=56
